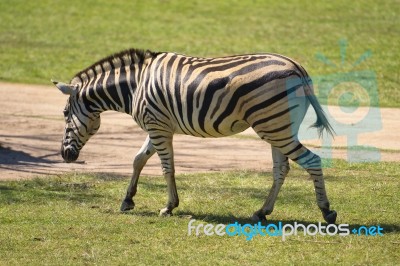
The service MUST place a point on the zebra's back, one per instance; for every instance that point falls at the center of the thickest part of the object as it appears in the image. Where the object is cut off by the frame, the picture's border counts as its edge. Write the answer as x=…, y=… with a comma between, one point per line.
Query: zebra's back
x=215, y=97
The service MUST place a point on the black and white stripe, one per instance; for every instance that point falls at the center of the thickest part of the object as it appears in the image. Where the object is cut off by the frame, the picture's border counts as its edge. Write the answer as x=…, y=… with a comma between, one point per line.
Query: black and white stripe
x=168, y=93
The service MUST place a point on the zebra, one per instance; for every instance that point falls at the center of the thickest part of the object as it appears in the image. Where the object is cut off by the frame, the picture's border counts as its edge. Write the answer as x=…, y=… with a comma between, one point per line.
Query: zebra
x=169, y=93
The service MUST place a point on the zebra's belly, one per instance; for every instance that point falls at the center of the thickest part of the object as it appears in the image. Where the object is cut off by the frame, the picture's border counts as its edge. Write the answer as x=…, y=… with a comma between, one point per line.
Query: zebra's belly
x=222, y=130
x=234, y=128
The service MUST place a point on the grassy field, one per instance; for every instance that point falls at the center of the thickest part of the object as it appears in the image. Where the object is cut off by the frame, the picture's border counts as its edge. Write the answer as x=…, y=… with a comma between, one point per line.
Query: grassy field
x=74, y=219
x=47, y=39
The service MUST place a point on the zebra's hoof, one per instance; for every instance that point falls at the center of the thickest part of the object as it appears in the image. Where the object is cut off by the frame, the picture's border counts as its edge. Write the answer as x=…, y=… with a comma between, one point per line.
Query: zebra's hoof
x=258, y=218
x=330, y=217
x=127, y=205
x=165, y=212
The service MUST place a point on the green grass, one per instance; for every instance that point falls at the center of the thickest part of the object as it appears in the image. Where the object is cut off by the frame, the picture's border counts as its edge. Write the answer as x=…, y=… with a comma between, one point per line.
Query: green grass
x=74, y=219
x=47, y=39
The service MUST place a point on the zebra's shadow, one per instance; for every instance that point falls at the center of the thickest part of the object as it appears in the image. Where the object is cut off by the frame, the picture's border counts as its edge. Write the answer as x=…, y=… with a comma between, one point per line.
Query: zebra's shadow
x=21, y=161
x=10, y=156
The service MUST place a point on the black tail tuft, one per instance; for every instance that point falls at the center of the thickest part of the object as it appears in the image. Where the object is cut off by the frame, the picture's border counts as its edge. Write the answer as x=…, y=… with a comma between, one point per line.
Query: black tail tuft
x=322, y=123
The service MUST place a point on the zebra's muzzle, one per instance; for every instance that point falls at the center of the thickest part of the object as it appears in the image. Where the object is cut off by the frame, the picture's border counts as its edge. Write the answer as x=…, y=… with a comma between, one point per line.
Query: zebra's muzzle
x=69, y=154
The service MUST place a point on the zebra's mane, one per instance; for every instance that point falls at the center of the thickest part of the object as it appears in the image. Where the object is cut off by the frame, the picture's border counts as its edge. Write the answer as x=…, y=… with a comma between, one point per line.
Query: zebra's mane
x=117, y=60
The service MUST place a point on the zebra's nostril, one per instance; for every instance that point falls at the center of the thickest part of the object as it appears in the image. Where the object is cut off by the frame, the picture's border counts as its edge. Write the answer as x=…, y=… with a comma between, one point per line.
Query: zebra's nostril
x=69, y=154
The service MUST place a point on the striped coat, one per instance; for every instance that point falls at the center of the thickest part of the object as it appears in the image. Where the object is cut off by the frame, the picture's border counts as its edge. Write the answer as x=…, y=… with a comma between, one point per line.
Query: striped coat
x=168, y=93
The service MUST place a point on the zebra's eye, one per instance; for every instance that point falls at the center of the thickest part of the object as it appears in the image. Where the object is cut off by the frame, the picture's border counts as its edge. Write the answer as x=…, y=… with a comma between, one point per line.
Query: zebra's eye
x=66, y=112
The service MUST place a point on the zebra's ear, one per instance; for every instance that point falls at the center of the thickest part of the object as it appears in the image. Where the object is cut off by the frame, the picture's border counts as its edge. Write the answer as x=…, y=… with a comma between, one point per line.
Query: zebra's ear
x=67, y=89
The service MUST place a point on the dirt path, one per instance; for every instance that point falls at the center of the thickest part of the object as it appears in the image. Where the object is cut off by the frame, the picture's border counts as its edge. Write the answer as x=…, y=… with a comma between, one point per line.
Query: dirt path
x=31, y=127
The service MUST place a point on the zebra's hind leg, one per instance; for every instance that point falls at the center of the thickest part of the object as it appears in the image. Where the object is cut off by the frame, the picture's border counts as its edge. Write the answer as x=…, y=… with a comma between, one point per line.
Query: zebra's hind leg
x=139, y=162
x=312, y=164
x=280, y=170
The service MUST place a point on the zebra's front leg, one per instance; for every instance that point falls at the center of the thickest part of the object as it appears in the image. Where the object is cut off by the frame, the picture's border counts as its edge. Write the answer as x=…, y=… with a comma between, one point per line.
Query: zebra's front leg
x=280, y=170
x=164, y=148
x=173, y=199
x=139, y=162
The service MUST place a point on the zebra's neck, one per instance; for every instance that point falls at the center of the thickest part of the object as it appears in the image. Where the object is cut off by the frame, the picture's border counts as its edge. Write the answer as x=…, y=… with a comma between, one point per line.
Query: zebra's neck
x=109, y=91
x=111, y=83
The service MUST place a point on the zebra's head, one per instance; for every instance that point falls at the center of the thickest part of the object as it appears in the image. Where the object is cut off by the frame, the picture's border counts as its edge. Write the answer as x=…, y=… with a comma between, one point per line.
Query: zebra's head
x=80, y=124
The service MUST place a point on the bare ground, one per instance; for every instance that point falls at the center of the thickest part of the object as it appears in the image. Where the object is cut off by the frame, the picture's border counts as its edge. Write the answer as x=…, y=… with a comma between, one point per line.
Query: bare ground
x=31, y=128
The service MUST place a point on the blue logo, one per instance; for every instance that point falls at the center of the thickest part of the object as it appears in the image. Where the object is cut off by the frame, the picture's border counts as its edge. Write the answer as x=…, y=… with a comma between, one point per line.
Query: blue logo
x=351, y=103
x=249, y=231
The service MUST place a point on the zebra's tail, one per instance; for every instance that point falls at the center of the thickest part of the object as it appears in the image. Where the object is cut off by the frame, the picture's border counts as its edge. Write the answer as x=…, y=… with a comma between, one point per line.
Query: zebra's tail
x=322, y=122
